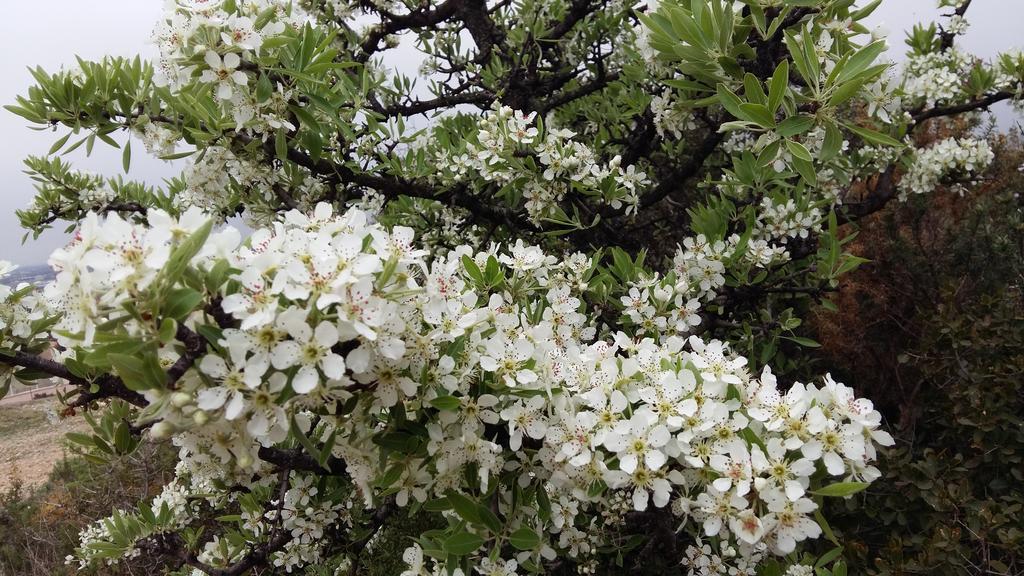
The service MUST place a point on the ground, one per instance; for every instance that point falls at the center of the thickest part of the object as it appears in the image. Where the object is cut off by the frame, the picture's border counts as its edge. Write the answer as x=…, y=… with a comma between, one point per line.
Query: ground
x=31, y=442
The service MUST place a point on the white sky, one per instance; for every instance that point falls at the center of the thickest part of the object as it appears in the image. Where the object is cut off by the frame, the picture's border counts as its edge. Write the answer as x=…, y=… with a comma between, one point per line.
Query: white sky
x=49, y=33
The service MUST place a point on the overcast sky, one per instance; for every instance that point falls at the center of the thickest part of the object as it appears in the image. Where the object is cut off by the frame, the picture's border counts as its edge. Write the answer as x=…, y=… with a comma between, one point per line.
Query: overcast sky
x=49, y=33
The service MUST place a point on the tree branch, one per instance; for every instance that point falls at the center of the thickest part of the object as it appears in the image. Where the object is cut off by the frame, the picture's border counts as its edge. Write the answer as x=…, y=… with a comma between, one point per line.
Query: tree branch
x=108, y=385
x=394, y=23
x=298, y=459
x=946, y=37
x=980, y=103
x=195, y=346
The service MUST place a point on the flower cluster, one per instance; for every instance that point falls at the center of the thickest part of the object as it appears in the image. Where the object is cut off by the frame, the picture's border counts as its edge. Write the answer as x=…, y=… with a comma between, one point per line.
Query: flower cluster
x=201, y=41
x=935, y=76
x=670, y=116
x=458, y=317
x=949, y=158
x=112, y=261
x=221, y=180
x=158, y=140
x=787, y=220
x=334, y=310
x=511, y=148
x=19, y=307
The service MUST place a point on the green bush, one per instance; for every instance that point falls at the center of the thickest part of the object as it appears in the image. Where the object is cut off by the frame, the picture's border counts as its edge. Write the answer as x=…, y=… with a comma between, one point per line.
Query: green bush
x=952, y=500
x=939, y=339
x=39, y=528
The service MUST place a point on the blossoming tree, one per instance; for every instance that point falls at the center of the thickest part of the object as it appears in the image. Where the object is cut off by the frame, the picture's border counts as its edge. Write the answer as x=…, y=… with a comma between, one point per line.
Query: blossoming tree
x=533, y=292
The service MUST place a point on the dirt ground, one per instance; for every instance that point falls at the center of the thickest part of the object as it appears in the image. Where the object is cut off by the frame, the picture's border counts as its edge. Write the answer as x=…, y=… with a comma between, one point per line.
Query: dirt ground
x=30, y=441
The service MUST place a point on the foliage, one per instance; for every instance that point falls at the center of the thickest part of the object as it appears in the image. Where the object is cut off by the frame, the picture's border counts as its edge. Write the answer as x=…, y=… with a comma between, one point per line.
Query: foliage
x=477, y=318
x=954, y=502
x=952, y=360
x=40, y=526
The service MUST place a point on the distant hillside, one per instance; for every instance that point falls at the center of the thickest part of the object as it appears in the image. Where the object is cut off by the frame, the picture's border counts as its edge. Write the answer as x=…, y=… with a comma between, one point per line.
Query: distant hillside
x=37, y=274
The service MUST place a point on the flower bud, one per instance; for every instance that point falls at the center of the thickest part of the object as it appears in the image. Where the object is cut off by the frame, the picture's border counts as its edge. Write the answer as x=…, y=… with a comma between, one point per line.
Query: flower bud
x=181, y=399
x=200, y=417
x=161, y=430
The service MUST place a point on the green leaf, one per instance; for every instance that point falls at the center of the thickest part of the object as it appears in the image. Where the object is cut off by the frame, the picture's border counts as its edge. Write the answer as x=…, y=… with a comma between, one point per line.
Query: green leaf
x=489, y=519
x=802, y=341
x=779, y=84
x=873, y=137
x=794, y=125
x=543, y=503
x=684, y=84
x=183, y=254
x=177, y=155
x=304, y=440
x=828, y=556
x=800, y=60
x=82, y=439
x=448, y=403
x=770, y=568
x=841, y=489
x=217, y=275
x=26, y=114
x=264, y=89
x=138, y=372
x=833, y=142
x=126, y=156
x=860, y=61
x=825, y=528
x=59, y=144
x=730, y=101
x=462, y=543
x=806, y=170
x=281, y=144
x=799, y=150
x=524, y=539
x=438, y=505
x=758, y=113
x=492, y=273
x=472, y=269
x=865, y=11
x=464, y=507
x=327, y=450
x=168, y=328
x=845, y=92
x=753, y=91
x=180, y=302
x=123, y=439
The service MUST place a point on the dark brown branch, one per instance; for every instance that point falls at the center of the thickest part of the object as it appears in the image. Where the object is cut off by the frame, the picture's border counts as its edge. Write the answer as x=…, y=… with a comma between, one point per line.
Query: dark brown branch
x=51, y=367
x=108, y=385
x=380, y=515
x=393, y=187
x=256, y=557
x=578, y=10
x=481, y=27
x=195, y=346
x=683, y=171
x=885, y=186
x=946, y=37
x=395, y=23
x=883, y=191
x=285, y=197
x=298, y=459
x=481, y=98
x=980, y=103
x=576, y=93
